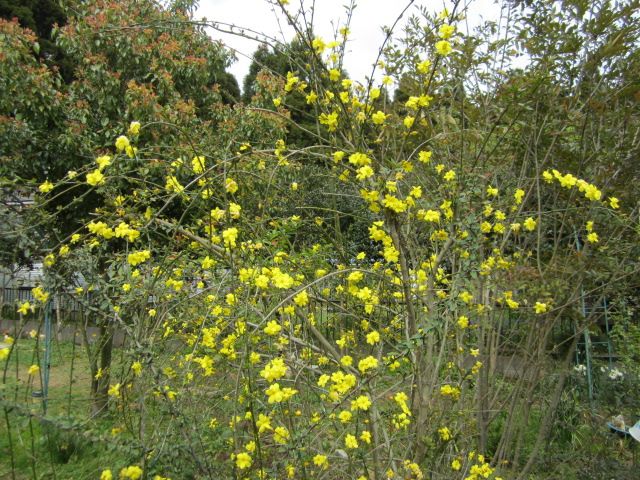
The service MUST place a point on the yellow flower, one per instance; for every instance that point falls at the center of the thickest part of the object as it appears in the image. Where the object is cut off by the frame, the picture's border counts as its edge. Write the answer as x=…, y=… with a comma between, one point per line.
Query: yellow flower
x=378, y=118
x=281, y=435
x=234, y=210
x=277, y=394
x=541, y=307
x=136, y=258
x=272, y=328
x=358, y=159
x=254, y=358
x=423, y=67
x=350, y=441
x=95, y=178
x=418, y=102
x=345, y=416
x=445, y=434
x=530, y=224
x=593, y=237
x=320, y=461
x=456, y=465
x=281, y=280
x=133, y=473
x=274, y=370
x=449, y=391
x=106, y=475
x=361, y=403
x=49, y=260
x=291, y=471
x=243, y=460
x=33, y=370
x=301, y=299
x=463, y=322
x=103, y=162
x=229, y=236
x=364, y=172
x=446, y=31
x=24, y=308
x=230, y=185
x=318, y=45
x=136, y=367
x=114, y=390
x=465, y=296
x=46, y=187
x=198, y=164
x=430, y=216
x=395, y=204
x=172, y=184
x=614, y=202
x=263, y=423
x=134, y=128
x=346, y=361
x=373, y=337
x=330, y=120
x=592, y=193
x=131, y=151
x=450, y=176
x=366, y=364
x=425, y=157
x=122, y=143
x=443, y=48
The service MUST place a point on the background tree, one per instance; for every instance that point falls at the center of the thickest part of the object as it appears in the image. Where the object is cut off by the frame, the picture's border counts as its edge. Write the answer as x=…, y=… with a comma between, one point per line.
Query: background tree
x=41, y=16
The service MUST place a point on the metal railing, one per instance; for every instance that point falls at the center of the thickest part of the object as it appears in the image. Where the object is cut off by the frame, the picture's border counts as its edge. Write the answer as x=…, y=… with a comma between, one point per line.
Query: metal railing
x=63, y=305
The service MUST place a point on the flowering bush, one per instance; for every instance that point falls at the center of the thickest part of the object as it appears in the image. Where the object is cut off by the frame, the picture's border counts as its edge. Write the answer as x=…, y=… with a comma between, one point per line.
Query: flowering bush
x=260, y=346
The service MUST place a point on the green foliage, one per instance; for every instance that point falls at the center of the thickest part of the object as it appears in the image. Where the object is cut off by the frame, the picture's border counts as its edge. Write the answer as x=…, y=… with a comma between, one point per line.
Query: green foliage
x=41, y=17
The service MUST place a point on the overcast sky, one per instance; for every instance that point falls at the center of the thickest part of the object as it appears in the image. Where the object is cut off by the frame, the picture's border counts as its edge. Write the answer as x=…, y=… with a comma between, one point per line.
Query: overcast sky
x=366, y=34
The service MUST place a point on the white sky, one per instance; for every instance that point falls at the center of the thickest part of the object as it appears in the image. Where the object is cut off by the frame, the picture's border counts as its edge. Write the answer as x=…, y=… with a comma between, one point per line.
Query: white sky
x=365, y=38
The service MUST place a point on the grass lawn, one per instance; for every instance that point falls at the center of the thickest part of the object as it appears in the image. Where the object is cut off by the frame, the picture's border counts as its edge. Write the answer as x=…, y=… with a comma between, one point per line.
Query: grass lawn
x=51, y=445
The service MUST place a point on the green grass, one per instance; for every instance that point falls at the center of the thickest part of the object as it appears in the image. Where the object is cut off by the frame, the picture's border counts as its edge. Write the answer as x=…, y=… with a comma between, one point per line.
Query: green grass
x=60, y=444
x=44, y=450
